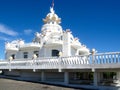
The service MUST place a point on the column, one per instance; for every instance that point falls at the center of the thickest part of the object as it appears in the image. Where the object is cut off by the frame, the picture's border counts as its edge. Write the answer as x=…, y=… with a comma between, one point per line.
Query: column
x=101, y=75
x=42, y=76
x=66, y=78
x=66, y=43
x=95, y=79
x=98, y=77
x=118, y=78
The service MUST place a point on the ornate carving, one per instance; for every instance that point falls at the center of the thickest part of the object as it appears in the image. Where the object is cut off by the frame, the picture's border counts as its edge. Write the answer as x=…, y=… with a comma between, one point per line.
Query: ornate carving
x=58, y=21
x=54, y=18
x=46, y=19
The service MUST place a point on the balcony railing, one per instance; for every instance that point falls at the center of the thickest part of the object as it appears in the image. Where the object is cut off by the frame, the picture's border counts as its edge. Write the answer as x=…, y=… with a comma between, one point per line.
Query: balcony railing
x=101, y=61
x=29, y=45
x=54, y=41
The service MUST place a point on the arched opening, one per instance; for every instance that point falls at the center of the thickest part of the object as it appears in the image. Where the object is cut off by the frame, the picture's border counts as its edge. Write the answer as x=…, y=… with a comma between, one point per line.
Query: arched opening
x=55, y=53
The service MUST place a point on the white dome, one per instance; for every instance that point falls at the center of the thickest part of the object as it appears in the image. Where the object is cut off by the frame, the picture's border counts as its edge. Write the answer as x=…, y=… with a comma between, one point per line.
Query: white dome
x=51, y=28
x=52, y=22
x=52, y=17
x=52, y=14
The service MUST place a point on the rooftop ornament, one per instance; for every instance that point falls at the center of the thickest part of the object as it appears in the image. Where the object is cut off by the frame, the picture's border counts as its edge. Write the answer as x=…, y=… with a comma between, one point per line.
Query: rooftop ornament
x=93, y=51
x=10, y=58
x=34, y=56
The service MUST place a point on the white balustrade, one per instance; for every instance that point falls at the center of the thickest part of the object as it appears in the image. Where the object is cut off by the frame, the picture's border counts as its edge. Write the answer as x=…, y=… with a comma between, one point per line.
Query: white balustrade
x=86, y=61
x=107, y=58
x=29, y=45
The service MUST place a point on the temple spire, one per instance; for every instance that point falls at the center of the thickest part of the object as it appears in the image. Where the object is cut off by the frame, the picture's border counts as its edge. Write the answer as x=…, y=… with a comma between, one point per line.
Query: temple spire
x=52, y=17
x=52, y=8
x=53, y=4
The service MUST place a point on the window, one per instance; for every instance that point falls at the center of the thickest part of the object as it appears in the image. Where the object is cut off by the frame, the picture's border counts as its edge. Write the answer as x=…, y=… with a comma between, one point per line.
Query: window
x=61, y=38
x=37, y=53
x=13, y=56
x=71, y=38
x=55, y=53
x=25, y=55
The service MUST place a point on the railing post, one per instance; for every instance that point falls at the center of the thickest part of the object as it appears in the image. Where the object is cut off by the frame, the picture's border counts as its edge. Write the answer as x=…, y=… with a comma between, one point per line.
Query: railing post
x=9, y=65
x=34, y=62
x=10, y=59
x=93, y=56
x=34, y=65
x=93, y=59
x=59, y=60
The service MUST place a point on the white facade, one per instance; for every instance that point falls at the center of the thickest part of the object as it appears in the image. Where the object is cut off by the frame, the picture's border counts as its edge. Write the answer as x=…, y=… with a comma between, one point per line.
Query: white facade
x=51, y=41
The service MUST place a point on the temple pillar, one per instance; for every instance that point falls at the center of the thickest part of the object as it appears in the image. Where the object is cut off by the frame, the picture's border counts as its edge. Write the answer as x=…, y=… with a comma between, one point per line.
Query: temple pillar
x=42, y=76
x=66, y=78
x=118, y=78
x=101, y=75
x=95, y=79
x=98, y=77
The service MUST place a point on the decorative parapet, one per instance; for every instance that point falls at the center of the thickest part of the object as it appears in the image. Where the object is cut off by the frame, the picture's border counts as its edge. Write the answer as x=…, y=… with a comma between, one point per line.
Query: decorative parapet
x=30, y=45
x=101, y=61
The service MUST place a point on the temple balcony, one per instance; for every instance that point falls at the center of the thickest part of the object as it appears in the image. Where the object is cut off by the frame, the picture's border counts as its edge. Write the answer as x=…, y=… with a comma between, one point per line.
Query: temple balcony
x=30, y=46
x=101, y=61
x=14, y=49
x=76, y=45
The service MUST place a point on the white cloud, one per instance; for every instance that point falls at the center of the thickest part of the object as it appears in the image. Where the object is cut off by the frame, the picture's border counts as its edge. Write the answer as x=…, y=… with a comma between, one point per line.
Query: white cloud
x=4, y=38
x=27, y=31
x=4, y=29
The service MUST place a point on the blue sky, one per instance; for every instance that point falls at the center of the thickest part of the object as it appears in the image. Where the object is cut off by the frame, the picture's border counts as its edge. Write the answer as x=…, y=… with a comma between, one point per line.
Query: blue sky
x=95, y=22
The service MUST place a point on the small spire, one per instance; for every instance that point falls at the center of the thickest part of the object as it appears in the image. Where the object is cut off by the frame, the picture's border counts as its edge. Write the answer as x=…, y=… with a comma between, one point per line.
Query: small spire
x=52, y=8
x=53, y=4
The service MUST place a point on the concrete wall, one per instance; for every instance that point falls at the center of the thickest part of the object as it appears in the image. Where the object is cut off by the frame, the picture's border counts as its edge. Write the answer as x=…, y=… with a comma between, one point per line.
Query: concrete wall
x=30, y=75
x=54, y=76
x=12, y=73
x=19, y=54
x=41, y=52
x=73, y=51
x=8, y=54
x=44, y=52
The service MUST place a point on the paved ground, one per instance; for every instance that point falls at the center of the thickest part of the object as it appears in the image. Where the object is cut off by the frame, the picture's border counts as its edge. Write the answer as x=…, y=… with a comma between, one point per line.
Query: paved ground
x=8, y=84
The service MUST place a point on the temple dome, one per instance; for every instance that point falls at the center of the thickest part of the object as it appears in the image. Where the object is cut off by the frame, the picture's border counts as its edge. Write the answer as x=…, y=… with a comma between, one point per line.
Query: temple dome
x=52, y=17
x=51, y=23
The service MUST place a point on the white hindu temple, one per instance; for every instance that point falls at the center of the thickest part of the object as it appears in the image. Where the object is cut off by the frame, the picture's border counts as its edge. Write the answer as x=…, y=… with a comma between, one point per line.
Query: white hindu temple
x=50, y=42
x=56, y=56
